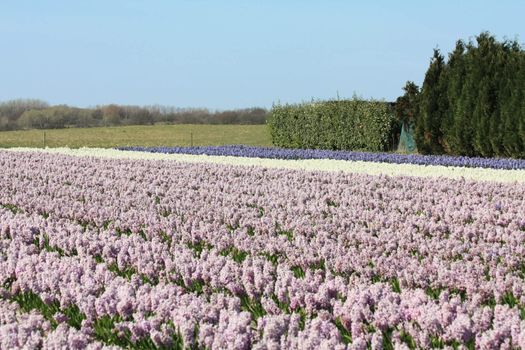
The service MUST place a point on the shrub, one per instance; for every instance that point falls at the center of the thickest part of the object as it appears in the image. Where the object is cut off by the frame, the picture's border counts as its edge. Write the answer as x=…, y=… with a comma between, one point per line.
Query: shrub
x=337, y=125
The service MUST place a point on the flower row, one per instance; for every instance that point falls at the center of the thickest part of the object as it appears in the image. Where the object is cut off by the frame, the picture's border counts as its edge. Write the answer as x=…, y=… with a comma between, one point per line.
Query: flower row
x=282, y=153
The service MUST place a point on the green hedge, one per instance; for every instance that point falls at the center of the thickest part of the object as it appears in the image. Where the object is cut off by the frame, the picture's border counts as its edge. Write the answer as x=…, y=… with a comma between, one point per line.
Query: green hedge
x=337, y=125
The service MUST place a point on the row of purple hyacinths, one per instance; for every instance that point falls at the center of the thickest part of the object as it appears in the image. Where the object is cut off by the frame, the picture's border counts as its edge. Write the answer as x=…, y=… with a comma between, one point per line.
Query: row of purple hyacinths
x=224, y=257
x=282, y=153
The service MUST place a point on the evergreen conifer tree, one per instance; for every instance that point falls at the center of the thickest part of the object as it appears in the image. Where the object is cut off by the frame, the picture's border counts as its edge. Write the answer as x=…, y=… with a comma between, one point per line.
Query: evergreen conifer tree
x=455, y=80
x=474, y=104
x=428, y=122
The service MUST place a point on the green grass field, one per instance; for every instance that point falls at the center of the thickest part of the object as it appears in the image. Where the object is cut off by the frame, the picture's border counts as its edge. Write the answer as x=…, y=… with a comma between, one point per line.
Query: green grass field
x=156, y=135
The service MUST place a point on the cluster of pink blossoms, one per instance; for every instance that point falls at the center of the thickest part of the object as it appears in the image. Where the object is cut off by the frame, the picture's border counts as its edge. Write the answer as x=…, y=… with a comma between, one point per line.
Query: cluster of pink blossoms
x=96, y=253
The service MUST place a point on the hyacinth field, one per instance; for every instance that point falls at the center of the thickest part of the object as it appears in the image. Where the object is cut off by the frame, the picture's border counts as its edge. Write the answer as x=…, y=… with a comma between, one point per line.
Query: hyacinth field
x=125, y=249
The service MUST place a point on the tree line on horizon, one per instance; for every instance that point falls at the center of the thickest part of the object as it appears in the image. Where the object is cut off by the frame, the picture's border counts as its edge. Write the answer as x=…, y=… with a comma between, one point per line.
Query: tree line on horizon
x=23, y=114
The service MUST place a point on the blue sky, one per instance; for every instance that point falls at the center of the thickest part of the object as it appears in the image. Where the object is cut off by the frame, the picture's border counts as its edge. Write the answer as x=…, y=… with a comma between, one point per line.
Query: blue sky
x=231, y=54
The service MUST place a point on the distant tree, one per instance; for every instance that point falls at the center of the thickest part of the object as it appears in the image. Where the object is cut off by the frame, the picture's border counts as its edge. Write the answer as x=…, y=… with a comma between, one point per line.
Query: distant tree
x=253, y=116
x=13, y=109
x=4, y=123
x=33, y=119
x=85, y=118
x=112, y=115
x=50, y=118
x=226, y=117
x=137, y=115
x=98, y=115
